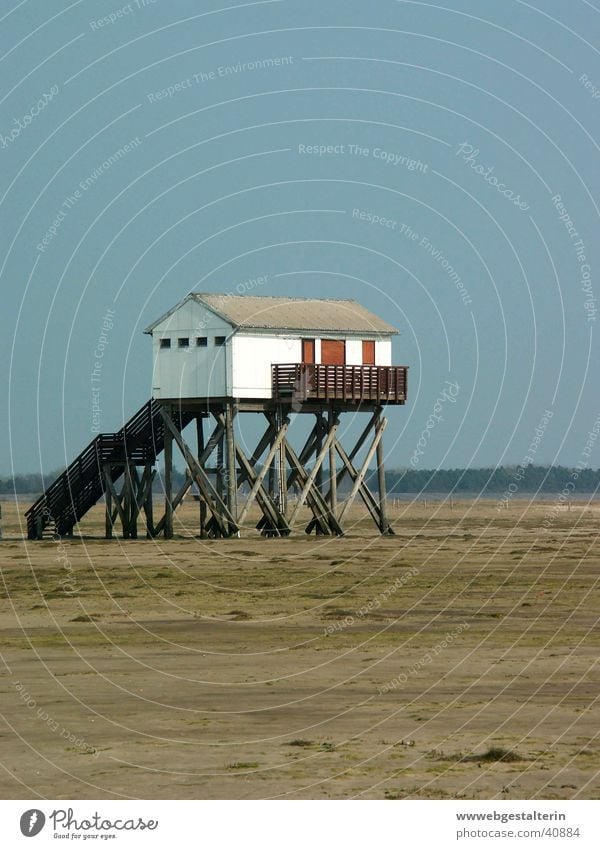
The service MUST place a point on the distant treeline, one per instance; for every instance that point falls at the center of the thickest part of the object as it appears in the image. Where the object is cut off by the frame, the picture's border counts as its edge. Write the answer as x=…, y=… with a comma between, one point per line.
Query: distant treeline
x=531, y=479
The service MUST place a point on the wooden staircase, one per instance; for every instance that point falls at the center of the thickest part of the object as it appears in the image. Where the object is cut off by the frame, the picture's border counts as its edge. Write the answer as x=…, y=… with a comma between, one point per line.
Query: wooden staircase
x=82, y=483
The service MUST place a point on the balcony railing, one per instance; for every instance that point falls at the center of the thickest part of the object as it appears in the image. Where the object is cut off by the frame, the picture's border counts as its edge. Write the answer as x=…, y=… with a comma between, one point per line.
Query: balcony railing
x=298, y=382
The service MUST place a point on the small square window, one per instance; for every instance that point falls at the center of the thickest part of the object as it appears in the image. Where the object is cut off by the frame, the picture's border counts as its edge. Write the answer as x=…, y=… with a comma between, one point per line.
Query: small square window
x=220, y=340
x=165, y=343
x=202, y=341
x=183, y=342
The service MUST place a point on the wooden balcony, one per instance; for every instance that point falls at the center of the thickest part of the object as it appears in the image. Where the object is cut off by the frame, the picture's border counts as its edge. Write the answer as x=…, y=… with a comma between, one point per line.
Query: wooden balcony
x=300, y=382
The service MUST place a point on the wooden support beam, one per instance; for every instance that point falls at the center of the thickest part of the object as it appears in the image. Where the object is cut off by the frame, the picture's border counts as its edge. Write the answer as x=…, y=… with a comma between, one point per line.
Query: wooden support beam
x=231, y=476
x=271, y=512
x=133, y=509
x=364, y=491
x=281, y=465
x=379, y=429
x=358, y=445
x=200, y=452
x=110, y=487
x=148, y=504
x=108, y=509
x=314, y=474
x=225, y=522
x=221, y=466
x=324, y=518
x=168, y=481
x=307, y=449
x=332, y=498
x=176, y=502
x=385, y=525
x=318, y=446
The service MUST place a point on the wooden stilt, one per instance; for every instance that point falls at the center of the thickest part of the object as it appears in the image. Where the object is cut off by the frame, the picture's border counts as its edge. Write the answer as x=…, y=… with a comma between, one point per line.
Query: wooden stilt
x=220, y=465
x=222, y=521
x=168, y=484
x=317, y=471
x=332, y=465
x=281, y=464
x=108, y=508
x=385, y=525
x=200, y=451
x=319, y=474
x=149, y=502
x=380, y=427
x=231, y=478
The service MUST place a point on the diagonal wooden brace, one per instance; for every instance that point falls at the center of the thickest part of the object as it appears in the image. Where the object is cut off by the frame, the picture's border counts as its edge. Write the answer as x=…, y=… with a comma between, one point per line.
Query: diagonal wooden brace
x=221, y=515
x=365, y=493
x=321, y=510
x=176, y=502
x=310, y=480
x=267, y=505
x=359, y=480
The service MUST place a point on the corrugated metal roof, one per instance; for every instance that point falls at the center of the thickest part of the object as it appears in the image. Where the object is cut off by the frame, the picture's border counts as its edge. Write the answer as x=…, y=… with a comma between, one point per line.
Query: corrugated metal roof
x=308, y=314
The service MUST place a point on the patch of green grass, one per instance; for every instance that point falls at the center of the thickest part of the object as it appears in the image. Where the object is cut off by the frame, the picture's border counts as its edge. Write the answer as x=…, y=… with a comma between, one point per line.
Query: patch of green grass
x=244, y=765
x=494, y=754
x=304, y=744
x=391, y=794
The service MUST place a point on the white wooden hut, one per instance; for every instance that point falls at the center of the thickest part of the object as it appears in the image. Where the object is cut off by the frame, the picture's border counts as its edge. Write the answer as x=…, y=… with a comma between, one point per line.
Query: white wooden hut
x=246, y=347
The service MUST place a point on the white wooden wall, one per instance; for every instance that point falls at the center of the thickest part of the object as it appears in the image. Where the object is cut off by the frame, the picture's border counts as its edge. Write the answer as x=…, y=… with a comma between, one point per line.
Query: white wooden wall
x=252, y=359
x=193, y=372
x=240, y=369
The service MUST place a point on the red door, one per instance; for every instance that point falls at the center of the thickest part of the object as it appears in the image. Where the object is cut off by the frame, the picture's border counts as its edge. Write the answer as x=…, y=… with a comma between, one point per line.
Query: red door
x=333, y=352
x=308, y=350
x=368, y=352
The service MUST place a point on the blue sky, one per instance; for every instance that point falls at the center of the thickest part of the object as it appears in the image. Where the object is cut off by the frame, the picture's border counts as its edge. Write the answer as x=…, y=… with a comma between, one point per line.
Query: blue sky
x=151, y=149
